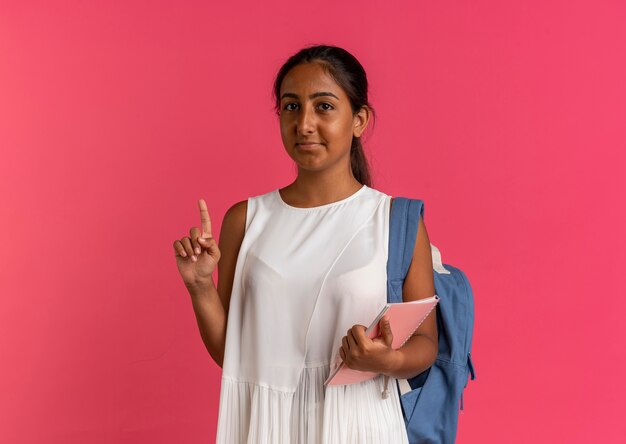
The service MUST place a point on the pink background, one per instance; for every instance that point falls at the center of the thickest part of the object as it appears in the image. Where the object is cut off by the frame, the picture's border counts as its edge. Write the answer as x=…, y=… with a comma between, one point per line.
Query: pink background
x=507, y=118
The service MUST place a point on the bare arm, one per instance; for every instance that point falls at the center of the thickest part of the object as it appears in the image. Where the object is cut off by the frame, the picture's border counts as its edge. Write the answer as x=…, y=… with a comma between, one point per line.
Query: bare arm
x=211, y=304
x=420, y=351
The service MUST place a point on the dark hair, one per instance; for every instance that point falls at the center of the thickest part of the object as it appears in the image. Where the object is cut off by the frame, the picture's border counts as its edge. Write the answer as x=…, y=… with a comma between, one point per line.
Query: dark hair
x=346, y=70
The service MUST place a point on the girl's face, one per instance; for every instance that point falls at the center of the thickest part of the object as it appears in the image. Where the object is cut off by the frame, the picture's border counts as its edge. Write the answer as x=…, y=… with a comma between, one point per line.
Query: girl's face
x=316, y=120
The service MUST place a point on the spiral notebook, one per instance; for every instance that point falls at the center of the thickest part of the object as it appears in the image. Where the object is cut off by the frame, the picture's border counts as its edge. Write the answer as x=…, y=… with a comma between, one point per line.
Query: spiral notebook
x=404, y=317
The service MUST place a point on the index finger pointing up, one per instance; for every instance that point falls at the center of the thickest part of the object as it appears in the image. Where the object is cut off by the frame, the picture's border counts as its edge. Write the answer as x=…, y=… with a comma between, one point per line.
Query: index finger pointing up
x=205, y=220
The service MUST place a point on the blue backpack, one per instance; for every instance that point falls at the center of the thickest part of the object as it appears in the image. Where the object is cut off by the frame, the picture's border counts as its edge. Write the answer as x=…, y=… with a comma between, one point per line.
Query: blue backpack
x=431, y=400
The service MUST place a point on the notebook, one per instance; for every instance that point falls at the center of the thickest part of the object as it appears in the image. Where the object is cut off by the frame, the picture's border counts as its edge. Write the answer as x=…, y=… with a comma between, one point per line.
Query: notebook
x=404, y=317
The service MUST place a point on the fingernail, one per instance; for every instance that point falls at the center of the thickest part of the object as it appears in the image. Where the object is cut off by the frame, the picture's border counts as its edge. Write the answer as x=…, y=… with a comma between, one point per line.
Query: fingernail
x=193, y=258
x=197, y=250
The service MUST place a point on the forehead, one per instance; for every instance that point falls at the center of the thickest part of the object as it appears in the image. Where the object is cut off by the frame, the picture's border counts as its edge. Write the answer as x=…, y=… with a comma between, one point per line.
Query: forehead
x=309, y=78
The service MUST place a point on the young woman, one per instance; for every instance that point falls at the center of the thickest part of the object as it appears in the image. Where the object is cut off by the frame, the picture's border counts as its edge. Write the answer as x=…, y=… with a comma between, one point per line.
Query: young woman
x=300, y=269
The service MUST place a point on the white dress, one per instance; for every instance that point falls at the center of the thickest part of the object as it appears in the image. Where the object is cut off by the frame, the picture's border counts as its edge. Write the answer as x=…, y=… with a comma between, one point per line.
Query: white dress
x=303, y=277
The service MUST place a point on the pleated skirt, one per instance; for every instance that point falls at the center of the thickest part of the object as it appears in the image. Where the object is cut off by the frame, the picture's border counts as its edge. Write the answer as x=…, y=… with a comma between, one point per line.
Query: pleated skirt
x=356, y=413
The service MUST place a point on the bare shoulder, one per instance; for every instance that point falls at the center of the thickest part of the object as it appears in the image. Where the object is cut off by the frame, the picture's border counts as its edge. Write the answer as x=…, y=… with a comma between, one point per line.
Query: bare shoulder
x=235, y=217
x=234, y=225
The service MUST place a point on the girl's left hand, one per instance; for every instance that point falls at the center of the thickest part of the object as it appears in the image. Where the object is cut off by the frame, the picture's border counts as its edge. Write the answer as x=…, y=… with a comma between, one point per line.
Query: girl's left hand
x=362, y=353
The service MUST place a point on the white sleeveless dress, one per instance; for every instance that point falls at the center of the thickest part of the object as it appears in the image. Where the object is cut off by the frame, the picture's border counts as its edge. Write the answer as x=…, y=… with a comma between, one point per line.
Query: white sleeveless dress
x=303, y=277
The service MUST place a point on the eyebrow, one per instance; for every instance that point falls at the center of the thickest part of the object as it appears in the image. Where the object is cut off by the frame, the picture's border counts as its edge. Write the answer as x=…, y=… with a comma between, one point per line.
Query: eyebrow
x=312, y=96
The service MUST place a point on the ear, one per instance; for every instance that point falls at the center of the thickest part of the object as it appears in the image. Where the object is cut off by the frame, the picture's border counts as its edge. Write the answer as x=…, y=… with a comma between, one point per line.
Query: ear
x=361, y=119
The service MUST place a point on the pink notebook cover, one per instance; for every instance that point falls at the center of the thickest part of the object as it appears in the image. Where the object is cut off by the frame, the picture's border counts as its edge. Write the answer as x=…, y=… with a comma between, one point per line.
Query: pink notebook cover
x=404, y=317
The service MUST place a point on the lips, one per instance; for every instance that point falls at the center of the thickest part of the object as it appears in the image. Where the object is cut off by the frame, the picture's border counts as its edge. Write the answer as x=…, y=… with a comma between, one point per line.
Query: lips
x=308, y=144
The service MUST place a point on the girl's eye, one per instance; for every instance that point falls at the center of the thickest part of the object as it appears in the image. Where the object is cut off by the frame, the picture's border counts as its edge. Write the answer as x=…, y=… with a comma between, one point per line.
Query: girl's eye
x=328, y=105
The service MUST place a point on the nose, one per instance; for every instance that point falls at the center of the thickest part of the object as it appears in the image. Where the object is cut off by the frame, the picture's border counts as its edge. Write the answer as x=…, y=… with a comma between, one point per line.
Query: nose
x=306, y=121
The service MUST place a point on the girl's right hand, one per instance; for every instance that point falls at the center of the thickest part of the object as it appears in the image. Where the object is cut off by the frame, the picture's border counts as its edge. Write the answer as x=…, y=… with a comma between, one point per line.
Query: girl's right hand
x=198, y=254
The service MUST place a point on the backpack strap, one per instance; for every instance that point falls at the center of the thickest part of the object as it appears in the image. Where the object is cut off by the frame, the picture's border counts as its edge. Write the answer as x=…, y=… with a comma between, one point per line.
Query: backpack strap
x=437, y=262
x=404, y=220
x=403, y=224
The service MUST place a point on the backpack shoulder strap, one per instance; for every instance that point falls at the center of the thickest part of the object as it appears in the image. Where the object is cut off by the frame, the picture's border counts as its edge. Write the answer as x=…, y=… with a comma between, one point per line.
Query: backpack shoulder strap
x=403, y=223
